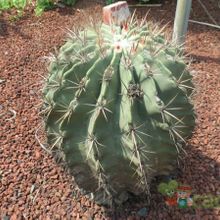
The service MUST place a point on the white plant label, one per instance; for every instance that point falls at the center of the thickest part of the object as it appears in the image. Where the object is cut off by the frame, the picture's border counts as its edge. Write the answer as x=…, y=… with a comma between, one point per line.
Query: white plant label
x=117, y=13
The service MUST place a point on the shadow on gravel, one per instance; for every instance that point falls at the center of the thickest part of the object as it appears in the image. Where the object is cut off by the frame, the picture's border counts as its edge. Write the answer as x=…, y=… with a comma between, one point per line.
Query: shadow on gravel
x=5, y=26
x=207, y=59
x=66, y=11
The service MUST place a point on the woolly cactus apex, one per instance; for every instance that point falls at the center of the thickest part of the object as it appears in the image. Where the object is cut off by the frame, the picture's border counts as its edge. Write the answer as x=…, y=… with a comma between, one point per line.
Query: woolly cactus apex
x=117, y=105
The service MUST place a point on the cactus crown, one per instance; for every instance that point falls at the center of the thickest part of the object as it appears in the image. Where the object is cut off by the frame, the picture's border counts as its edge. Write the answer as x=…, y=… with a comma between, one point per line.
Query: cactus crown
x=117, y=105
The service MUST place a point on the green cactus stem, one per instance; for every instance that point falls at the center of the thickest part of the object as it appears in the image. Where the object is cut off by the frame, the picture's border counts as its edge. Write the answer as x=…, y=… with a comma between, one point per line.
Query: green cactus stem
x=117, y=104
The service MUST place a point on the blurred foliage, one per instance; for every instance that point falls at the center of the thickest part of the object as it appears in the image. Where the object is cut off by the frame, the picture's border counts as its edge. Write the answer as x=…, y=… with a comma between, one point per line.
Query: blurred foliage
x=40, y=5
x=43, y=5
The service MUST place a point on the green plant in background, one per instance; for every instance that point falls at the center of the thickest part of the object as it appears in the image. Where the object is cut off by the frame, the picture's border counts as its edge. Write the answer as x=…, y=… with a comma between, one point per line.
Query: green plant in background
x=5, y=5
x=40, y=6
x=19, y=5
x=117, y=108
x=43, y=5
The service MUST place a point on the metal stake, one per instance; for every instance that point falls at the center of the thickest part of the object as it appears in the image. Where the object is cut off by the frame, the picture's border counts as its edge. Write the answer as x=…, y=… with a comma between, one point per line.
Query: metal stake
x=181, y=20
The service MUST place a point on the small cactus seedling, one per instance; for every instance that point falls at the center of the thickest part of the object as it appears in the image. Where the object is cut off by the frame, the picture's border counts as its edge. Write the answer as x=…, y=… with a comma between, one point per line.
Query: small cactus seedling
x=117, y=104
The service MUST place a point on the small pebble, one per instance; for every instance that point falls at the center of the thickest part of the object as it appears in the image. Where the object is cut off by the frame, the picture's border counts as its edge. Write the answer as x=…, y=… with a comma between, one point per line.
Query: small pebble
x=143, y=212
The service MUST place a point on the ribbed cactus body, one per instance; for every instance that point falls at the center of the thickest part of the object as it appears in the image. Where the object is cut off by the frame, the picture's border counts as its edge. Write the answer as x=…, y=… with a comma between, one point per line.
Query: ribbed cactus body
x=117, y=105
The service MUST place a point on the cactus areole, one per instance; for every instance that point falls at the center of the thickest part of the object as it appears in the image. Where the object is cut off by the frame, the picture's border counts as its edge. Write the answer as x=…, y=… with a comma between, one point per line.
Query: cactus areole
x=117, y=106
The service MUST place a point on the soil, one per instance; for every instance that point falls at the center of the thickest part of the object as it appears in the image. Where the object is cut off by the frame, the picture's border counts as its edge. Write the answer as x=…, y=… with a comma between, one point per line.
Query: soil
x=32, y=185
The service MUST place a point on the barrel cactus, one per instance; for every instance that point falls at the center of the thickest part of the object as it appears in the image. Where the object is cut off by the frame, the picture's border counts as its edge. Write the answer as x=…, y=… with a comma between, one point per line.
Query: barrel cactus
x=117, y=105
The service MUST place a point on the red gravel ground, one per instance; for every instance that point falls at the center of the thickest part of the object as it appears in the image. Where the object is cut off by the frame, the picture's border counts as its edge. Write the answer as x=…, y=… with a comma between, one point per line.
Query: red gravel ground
x=32, y=185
